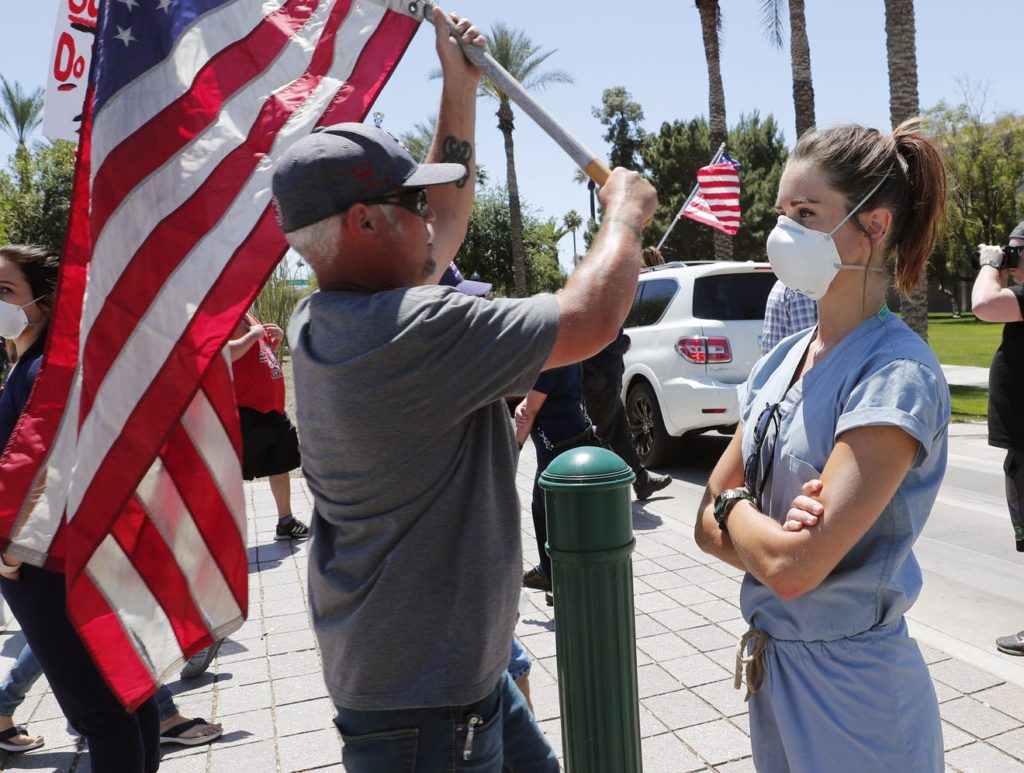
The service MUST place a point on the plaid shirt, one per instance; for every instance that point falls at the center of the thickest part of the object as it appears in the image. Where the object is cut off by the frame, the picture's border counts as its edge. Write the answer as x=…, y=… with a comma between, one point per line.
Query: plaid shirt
x=786, y=312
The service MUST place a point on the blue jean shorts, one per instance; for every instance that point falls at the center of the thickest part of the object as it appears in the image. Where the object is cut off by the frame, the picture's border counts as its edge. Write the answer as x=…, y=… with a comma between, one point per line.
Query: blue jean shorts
x=519, y=662
x=494, y=734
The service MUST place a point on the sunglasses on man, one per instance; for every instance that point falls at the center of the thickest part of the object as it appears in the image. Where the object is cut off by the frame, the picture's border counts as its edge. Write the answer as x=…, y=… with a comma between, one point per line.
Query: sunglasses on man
x=414, y=200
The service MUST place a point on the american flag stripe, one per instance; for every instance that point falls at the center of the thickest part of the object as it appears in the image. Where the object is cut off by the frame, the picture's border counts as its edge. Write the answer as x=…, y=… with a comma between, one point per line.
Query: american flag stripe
x=117, y=443
x=140, y=428
x=185, y=587
x=240, y=74
x=102, y=632
x=154, y=215
x=717, y=203
x=158, y=89
x=140, y=349
x=32, y=495
x=162, y=201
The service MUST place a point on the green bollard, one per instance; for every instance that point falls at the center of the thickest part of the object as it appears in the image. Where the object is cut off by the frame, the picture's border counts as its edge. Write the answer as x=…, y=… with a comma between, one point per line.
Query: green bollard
x=590, y=540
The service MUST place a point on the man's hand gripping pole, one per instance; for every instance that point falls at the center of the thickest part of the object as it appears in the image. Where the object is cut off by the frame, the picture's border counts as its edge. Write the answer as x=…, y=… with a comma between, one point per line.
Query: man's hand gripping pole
x=596, y=169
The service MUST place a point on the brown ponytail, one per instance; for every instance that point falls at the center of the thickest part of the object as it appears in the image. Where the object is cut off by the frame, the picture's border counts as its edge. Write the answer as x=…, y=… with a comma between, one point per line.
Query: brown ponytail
x=923, y=220
x=915, y=190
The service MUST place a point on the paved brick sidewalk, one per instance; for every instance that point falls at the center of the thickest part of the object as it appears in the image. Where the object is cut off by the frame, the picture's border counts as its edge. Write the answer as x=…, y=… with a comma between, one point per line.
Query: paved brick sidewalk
x=266, y=688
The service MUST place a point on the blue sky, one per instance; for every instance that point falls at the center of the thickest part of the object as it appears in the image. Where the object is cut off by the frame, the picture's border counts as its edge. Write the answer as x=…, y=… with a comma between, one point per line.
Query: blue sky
x=654, y=49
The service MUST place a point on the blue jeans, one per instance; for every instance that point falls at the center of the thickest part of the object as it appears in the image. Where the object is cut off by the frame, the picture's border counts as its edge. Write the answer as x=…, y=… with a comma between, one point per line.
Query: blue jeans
x=495, y=734
x=23, y=674
x=26, y=670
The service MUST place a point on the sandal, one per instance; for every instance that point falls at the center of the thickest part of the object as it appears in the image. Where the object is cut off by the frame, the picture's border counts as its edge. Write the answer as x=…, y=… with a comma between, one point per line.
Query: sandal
x=13, y=732
x=174, y=734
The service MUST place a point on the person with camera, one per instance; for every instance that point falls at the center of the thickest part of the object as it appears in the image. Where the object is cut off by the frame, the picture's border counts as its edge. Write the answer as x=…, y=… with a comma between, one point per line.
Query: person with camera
x=993, y=301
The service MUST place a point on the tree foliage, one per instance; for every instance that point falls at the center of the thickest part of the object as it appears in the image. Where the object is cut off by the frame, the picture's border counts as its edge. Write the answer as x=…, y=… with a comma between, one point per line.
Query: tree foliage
x=621, y=117
x=21, y=112
x=986, y=156
x=487, y=249
x=419, y=138
x=522, y=59
x=672, y=158
x=35, y=194
x=572, y=222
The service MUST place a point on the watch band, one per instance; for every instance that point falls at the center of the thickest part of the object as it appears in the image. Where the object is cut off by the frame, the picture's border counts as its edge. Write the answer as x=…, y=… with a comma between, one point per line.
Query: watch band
x=725, y=502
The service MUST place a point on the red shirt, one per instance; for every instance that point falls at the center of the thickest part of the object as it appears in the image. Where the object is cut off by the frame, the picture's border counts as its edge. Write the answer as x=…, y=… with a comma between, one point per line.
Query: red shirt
x=259, y=383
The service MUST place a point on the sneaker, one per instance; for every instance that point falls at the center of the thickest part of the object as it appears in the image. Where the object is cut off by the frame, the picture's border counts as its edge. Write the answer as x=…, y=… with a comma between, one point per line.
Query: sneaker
x=549, y=599
x=291, y=528
x=1012, y=644
x=198, y=663
x=537, y=580
x=650, y=483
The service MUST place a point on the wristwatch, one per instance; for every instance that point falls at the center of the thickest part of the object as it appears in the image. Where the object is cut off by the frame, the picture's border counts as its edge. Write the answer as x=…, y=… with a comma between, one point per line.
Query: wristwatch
x=725, y=502
x=997, y=265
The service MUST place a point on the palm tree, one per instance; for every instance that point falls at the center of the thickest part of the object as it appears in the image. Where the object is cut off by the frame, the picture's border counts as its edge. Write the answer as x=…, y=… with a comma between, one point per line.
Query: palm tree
x=572, y=220
x=901, y=48
x=522, y=58
x=711, y=27
x=419, y=138
x=799, y=55
x=20, y=112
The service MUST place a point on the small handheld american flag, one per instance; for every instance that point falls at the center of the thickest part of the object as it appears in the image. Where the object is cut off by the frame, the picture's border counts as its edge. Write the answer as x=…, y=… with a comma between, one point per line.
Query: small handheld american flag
x=717, y=202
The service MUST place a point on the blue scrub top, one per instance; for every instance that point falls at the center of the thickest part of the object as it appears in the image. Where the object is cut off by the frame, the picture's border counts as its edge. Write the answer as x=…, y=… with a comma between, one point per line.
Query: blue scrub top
x=881, y=373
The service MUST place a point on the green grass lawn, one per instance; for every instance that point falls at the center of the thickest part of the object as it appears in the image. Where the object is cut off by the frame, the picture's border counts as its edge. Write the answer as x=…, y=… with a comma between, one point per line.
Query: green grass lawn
x=968, y=403
x=964, y=341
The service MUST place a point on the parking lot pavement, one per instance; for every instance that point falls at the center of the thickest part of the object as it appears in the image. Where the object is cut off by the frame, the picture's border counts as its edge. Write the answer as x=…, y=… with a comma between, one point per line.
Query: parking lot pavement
x=266, y=688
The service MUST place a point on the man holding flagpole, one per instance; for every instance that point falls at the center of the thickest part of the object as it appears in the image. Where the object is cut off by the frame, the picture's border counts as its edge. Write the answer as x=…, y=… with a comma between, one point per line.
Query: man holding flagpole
x=406, y=443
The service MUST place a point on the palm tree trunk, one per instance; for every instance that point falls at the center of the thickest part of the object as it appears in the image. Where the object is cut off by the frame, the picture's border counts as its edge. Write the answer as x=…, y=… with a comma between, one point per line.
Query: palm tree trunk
x=800, y=57
x=515, y=212
x=710, y=15
x=901, y=48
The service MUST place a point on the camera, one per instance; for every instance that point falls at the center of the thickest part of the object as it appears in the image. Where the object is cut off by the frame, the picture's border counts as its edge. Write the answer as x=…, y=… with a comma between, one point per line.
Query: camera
x=1011, y=258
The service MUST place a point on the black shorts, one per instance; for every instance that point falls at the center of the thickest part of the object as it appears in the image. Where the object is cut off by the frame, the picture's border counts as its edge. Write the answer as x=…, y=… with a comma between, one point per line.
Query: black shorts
x=270, y=444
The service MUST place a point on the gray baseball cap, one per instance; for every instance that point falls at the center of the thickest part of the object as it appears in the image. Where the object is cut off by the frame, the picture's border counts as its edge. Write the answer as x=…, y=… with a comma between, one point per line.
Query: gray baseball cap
x=1018, y=232
x=337, y=166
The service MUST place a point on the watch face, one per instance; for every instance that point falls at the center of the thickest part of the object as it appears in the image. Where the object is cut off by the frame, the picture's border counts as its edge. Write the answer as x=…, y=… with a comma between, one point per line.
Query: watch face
x=724, y=500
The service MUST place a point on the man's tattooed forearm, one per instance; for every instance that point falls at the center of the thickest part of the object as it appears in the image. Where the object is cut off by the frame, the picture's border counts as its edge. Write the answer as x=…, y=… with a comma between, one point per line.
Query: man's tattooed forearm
x=456, y=151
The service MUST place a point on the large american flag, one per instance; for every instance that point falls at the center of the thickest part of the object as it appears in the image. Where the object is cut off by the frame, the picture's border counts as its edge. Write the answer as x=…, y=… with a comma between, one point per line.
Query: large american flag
x=717, y=202
x=124, y=471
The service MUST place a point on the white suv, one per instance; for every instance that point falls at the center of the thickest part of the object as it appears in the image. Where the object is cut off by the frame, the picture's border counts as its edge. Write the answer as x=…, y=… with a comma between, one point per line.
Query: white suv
x=695, y=330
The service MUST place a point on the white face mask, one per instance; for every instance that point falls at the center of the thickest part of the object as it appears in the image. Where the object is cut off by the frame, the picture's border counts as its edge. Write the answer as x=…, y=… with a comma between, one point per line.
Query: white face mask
x=807, y=261
x=13, y=320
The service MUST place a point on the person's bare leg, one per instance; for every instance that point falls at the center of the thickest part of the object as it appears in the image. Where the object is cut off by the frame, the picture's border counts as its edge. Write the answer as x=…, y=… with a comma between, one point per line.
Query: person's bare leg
x=288, y=526
x=281, y=488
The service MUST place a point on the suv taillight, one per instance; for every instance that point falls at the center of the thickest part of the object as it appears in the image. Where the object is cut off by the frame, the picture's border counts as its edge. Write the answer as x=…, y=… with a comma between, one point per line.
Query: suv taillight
x=702, y=350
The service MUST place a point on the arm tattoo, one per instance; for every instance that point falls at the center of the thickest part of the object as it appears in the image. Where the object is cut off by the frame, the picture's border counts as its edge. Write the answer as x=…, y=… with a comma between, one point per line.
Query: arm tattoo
x=456, y=151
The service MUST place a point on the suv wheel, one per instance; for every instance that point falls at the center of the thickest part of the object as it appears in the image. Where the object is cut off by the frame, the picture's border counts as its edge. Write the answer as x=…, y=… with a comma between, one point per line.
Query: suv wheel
x=647, y=431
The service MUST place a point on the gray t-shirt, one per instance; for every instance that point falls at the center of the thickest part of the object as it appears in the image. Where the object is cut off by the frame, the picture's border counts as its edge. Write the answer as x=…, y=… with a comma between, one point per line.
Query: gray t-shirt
x=410, y=454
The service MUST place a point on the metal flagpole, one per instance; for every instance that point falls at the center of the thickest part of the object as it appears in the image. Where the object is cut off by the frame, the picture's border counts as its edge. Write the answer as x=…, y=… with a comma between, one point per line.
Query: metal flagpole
x=596, y=169
x=679, y=214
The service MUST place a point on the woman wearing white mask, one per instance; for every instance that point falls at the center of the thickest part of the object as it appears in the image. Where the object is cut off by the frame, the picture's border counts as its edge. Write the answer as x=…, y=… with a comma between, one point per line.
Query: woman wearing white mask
x=835, y=467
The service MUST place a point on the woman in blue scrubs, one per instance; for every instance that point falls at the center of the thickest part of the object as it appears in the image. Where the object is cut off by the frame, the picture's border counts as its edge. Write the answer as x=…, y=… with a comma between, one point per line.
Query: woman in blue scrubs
x=832, y=474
